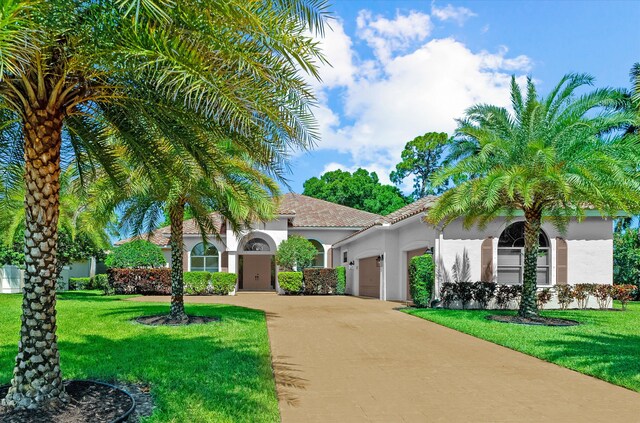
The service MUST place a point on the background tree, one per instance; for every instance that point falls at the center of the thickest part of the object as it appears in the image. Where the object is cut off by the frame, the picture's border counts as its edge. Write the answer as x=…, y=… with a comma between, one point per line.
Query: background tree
x=361, y=190
x=296, y=253
x=547, y=160
x=421, y=158
x=626, y=258
x=71, y=70
x=135, y=254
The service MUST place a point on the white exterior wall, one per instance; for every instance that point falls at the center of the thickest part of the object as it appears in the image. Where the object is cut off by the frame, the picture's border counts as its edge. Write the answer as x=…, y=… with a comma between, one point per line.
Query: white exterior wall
x=590, y=251
x=368, y=245
x=326, y=237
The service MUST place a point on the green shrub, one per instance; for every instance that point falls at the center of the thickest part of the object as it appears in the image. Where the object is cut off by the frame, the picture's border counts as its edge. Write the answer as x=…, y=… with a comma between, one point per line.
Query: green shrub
x=295, y=252
x=76, y=284
x=223, y=283
x=341, y=275
x=196, y=283
x=101, y=281
x=290, y=282
x=421, y=278
x=135, y=255
x=319, y=281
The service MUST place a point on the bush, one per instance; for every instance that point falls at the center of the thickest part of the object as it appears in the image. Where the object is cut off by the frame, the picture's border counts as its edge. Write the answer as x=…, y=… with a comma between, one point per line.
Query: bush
x=196, y=283
x=421, y=278
x=581, y=292
x=483, y=292
x=543, y=297
x=290, y=282
x=505, y=294
x=319, y=281
x=76, y=284
x=140, y=281
x=101, y=281
x=223, y=283
x=134, y=255
x=565, y=295
x=623, y=293
x=602, y=292
x=295, y=252
x=447, y=294
x=341, y=276
x=464, y=293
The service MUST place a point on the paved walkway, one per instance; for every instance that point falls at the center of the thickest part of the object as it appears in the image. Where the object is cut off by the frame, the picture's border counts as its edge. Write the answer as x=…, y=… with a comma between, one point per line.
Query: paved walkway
x=345, y=359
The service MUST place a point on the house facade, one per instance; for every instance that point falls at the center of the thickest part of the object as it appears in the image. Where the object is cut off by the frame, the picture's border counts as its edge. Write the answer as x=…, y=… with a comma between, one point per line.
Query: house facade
x=376, y=250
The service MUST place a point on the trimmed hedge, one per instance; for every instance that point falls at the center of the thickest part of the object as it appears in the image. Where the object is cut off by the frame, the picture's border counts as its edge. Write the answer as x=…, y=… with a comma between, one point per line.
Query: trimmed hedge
x=140, y=281
x=421, y=279
x=79, y=283
x=196, y=283
x=341, y=275
x=223, y=283
x=290, y=282
x=320, y=281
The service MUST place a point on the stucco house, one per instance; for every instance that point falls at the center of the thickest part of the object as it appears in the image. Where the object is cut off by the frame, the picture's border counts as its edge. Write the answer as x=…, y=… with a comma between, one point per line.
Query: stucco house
x=376, y=249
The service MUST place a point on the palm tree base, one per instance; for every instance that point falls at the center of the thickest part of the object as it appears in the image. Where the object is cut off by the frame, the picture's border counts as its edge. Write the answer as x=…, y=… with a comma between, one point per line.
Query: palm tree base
x=169, y=320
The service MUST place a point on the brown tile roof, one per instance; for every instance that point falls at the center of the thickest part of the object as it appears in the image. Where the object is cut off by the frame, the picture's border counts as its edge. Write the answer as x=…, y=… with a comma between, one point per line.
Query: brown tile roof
x=417, y=207
x=307, y=212
x=312, y=213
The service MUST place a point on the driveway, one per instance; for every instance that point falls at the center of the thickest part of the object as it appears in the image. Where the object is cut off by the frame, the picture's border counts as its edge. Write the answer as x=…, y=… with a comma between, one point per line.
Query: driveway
x=346, y=359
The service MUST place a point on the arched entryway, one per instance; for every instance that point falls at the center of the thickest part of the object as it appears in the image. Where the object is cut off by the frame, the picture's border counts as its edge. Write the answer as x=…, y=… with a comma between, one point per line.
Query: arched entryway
x=256, y=263
x=511, y=256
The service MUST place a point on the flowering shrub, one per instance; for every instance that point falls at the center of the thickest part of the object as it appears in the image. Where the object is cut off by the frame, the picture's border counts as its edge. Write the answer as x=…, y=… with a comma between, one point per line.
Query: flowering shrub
x=603, y=295
x=543, y=297
x=565, y=295
x=581, y=292
x=623, y=293
x=140, y=281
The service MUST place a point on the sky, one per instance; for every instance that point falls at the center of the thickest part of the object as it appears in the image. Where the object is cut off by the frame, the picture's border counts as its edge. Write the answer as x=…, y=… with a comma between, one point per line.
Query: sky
x=399, y=69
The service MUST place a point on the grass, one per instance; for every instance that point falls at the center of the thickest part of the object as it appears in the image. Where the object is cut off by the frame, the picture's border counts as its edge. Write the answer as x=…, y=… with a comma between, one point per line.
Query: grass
x=606, y=344
x=218, y=372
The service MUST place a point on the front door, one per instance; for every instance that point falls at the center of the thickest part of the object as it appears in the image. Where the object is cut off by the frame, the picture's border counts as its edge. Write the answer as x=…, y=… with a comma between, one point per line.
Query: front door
x=256, y=273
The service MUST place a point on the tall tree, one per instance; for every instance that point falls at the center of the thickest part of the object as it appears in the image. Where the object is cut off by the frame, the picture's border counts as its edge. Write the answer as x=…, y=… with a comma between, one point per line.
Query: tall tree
x=70, y=70
x=421, y=158
x=548, y=160
x=361, y=190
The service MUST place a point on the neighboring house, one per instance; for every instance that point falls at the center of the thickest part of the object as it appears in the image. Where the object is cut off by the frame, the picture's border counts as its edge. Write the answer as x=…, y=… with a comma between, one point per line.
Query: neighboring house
x=376, y=250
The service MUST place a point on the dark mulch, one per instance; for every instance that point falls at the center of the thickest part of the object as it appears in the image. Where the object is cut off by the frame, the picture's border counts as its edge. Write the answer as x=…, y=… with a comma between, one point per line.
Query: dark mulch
x=144, y=401
x=539, y=321
x=166, y=320
x=89, y=402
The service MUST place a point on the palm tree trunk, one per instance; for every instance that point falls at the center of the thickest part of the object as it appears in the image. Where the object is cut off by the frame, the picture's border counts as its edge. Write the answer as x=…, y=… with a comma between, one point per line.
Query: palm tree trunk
x=176, y=216
x=37, y=378
x=532, y=225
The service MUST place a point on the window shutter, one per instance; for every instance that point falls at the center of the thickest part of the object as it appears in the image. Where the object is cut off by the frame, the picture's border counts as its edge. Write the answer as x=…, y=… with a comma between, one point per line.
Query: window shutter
x=330, y=258
x=225, y=262
x=486, y=260
x=185, y=261
x=561, y=262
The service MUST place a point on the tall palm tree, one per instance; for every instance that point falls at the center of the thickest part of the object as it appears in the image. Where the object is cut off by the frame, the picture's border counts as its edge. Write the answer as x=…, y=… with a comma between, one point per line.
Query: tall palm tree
x=70, y=70
x=550, y=159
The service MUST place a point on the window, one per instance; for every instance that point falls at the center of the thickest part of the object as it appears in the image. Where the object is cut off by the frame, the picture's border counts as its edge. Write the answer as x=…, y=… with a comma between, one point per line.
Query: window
x=204, y=258
x=319, y=259
x=256, y=244
x=511, y=256
x=344, y=257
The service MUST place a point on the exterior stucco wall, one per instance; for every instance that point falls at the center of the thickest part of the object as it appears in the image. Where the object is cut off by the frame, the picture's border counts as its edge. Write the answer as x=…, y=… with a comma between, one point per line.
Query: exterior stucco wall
x=326, y=237
x=369, y=245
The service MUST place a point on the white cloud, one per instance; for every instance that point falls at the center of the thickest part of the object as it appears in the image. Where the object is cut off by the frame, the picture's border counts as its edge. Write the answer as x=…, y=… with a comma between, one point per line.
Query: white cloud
x=387, y=36
x=451, y=13
x=381, y=104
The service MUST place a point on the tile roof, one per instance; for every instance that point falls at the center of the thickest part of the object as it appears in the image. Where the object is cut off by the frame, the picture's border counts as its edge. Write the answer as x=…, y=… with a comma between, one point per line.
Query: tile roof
x=417, y=207
x=312, y=213
x=307, y=212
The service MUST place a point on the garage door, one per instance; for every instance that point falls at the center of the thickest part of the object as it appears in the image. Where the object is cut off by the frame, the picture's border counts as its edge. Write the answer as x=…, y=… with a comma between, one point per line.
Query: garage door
x=369, y=277
x=410, y=255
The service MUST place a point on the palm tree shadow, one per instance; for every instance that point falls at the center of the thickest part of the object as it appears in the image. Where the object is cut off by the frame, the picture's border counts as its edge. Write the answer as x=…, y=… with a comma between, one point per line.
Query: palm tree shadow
x=287, y=380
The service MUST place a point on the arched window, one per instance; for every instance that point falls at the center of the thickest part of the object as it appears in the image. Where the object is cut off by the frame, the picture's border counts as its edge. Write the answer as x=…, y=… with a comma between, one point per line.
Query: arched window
x=257, y=244
x=204, y=258
x=511, y=256
x=319, y=260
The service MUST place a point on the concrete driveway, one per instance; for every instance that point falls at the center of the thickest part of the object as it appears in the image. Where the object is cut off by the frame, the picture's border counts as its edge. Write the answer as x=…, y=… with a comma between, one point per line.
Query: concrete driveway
x=346, y=359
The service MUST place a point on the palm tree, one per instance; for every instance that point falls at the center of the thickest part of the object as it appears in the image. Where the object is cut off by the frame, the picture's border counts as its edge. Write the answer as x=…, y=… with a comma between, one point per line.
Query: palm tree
x=71, y=70
x=549, y=159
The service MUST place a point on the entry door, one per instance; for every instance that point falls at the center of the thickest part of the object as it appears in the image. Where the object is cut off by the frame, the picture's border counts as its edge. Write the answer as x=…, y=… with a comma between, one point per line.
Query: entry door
x=369, y=277
x=256, y=273
x=411, y=254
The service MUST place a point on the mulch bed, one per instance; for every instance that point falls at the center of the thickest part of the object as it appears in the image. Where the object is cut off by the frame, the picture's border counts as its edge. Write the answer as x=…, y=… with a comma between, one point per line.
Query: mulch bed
x=89, y=402
x=166, y=320
x=539, y=321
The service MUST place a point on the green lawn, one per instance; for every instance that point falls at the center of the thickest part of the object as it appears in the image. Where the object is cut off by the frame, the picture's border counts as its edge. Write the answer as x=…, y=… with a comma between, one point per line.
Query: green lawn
x=606, y=345
x=202, y=373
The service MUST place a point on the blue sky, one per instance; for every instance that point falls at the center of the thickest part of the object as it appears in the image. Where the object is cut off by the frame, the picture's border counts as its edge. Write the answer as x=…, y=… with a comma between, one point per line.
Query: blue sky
x=403, y=68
